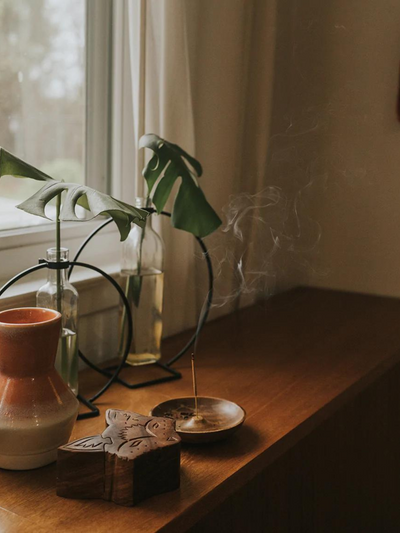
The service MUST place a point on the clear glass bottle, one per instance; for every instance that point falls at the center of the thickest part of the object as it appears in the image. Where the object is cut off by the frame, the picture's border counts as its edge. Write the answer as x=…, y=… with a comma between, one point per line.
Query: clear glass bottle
x=142, y=273
x=67, y=303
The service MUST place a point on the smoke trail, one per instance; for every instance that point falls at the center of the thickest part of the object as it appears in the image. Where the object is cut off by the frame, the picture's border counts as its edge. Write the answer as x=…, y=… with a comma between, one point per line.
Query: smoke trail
x=265, y=236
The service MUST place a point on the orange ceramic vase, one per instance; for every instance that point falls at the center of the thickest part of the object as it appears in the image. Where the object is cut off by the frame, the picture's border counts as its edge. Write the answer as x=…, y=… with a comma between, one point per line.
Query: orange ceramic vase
x=37, y=409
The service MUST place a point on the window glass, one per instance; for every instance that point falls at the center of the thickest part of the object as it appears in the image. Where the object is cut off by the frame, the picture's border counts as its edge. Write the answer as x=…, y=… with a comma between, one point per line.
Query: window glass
x=42, y=95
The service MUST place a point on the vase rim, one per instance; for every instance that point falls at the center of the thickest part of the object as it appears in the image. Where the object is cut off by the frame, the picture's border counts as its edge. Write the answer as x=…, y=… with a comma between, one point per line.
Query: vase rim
x=28, y=317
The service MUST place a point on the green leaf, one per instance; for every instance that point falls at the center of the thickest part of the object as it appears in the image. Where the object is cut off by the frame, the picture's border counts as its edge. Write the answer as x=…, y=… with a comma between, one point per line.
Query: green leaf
x=154, y=168
x=10, y=165
x=93, y=201
x=164, y=188
x=97, y=203
x=191, y=211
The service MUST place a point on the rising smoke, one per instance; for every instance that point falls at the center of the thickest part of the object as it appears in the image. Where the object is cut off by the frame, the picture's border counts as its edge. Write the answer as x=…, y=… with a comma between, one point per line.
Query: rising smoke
x=266, y=239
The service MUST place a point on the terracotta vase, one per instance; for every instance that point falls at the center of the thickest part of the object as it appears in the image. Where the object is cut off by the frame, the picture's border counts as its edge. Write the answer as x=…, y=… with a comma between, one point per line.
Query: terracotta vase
x=37, y=409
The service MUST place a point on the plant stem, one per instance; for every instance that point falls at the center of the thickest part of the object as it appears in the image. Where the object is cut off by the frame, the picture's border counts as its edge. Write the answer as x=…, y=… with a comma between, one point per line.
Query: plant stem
x=63, y=350
x=58, y=250
x=133, y=293
x=147, y=203
x=122, y=328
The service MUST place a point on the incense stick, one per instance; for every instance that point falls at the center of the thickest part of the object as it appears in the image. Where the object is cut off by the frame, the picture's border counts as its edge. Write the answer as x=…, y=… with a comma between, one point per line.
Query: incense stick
x=196, y=406
x=194, y=377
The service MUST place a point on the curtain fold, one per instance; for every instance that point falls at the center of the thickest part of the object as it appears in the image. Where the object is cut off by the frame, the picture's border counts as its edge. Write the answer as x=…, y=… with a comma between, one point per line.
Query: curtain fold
x=169, y=113
x=209, y=66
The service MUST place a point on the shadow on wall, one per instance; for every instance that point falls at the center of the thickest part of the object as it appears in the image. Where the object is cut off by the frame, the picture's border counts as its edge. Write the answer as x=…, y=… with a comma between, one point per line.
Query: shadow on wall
x=334, y=139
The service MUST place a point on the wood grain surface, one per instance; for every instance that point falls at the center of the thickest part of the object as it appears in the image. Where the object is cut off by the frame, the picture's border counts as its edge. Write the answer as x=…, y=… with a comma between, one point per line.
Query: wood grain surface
x=292, y=364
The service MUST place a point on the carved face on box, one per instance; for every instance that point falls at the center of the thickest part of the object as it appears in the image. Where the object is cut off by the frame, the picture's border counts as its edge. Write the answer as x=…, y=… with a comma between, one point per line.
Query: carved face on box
x=129, y=434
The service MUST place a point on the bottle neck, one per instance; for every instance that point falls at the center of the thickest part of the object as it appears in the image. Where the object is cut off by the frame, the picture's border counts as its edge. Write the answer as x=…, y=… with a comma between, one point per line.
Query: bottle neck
x=148, y=223
x=142, y=203
x=57, y=275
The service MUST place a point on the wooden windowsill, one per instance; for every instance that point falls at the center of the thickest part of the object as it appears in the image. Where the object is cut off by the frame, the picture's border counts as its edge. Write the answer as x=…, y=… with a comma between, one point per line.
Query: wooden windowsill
x=292, y=363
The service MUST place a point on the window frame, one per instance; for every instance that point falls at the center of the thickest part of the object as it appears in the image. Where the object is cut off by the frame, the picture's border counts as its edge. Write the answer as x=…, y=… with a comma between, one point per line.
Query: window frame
x=32, y=242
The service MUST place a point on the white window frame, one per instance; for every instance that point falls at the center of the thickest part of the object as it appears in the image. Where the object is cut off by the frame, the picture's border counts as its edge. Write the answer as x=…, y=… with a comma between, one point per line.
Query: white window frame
x=20, y=248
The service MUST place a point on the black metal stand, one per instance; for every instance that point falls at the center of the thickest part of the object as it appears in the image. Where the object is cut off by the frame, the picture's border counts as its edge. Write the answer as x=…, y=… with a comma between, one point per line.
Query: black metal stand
x=173, y=374
x=93, y=410
x=112, y=372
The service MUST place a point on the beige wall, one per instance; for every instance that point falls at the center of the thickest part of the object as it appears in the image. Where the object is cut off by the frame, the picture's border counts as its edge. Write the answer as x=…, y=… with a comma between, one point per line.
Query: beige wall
x=322, y=79
x=335, y=139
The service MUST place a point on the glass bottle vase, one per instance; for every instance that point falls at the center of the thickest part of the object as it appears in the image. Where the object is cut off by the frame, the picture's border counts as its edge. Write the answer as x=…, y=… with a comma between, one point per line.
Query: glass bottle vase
x=142, y=274
x=65, y=301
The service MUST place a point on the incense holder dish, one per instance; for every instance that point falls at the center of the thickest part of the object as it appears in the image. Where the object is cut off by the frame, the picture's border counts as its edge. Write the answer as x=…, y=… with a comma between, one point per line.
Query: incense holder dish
x=37, y=409
x=216, y=418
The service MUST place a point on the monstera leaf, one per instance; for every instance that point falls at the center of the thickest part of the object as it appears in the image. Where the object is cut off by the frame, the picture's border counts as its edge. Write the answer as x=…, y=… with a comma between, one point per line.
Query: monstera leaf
x=94, y=201
x=191, y=211
x=10, y=165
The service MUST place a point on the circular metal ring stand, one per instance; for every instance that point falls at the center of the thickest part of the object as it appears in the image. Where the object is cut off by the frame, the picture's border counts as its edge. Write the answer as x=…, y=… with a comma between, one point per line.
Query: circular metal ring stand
x=112, y=373
x=93, y=410
x=167, y=367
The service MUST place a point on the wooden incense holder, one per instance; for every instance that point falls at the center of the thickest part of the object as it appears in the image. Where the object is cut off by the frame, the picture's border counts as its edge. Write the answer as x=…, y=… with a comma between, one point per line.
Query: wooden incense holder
x=216, y=418
x=134, y=458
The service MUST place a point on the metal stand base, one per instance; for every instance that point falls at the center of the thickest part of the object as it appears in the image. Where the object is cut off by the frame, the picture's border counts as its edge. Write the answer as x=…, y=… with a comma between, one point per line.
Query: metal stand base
x=93, y=410
x=173, y=374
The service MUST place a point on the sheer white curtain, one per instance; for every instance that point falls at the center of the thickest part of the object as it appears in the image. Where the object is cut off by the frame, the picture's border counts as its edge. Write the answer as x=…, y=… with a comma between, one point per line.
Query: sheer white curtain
x=207, y=88
x=169, y=113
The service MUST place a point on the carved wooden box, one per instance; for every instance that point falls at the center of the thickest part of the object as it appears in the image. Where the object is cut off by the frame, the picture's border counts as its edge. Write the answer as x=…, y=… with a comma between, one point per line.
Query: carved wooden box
x=134, y=458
